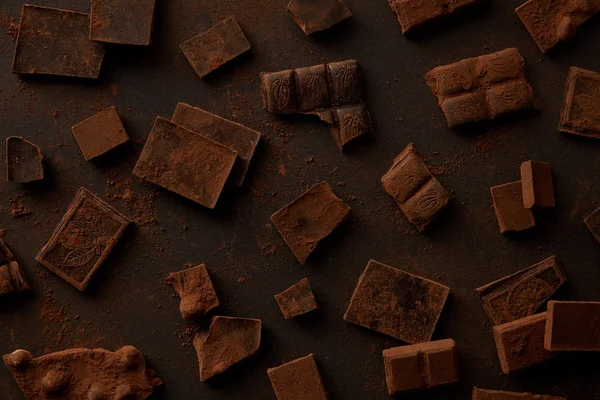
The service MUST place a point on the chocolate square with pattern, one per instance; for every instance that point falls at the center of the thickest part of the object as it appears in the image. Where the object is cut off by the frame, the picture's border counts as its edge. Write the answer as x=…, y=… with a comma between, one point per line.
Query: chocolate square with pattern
x=580, y=114
x=353, y=125
x=279, y=92
x=346, y=82
x=425, y=203
x=313, y=88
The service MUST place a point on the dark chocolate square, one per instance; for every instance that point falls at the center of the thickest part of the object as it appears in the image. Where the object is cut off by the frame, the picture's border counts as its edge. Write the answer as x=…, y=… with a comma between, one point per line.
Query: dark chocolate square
x=346, y=83
x=122, y=21
x=24, y=160
x=592, y=222
x=313, y=88
x=296, y=300
x=537, y=184
x=317, y=15
x=510, y=211
x=298, y=379
x=279, y=92
x=580, y=114
x=353, y=124
x=415, y=13
x=100, y=133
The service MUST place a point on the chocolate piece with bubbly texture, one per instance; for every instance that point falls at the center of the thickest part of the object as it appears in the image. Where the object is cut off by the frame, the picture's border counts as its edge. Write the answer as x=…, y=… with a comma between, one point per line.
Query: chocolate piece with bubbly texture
x=573, y=326
x=24, y=160
x=83, y=239
x=309, y=219
x=420, y=366
x=185, y=163
x=317, y=15
x=196, y=291
x=215, y=47
x=508, y=205
x=484, y=394
x=298, y=379
x=83, y=374
x=227, y=342
x=296, y=300
x=56, y=42
x=418, y=193
x=100, y=133
x=521, y=294
x=482, y=88
x=537, y=184
x=413, y=14
x=122, y=21
x=592, y=222
x=396, y=303
x=580, y=113
x=12, y=278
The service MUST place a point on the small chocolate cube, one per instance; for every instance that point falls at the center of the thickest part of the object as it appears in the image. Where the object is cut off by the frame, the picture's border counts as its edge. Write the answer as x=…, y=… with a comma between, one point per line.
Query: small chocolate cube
x=317, y=15
x=346, y=83
x=484, y=394
x=296, y=300
x=279, y=92
x=197, y=293
x=508, y=206
x=100, y=133
x=298, y=379
x=537, y=184
x=580, y=114
x=24, y=160
x=352, y=125
x=573, y=326
x=122, y=21
x=413, y=14
x=12, y=278
x=313, y=88
x=592, y=222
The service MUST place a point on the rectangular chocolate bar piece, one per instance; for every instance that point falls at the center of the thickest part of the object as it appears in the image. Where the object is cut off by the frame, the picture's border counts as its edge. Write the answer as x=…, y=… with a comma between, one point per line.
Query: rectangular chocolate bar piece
x=592, y=222
x=521, y=294
x=296, y=300
x=509, y=208
x=83, y=239
x=484, y=394
x=482, y=88
x=573, y=326
x=298, y=379
x=537, y=184
x=580, y=114
x=12, y=278
x=100, y=133
x=122, y=21
x=314, y=16
x=396, y=303
x=415, y=13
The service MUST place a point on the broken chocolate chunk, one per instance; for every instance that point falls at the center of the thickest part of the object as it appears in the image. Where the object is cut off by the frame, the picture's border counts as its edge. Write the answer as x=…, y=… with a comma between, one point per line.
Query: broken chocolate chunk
x=100, y=133
x=484, y=394
x=83, y=239
x=56, y=42
x=537, y=184
x=396, y=303
x=521, y=294
x=309, y=219
x=573, y=326
x=12, y=278
x=122, y=21
x=298, y=379
x=508, y=206
x=227, y=342
x=24, y=160
x=415, y=13
x=196, y=290
x=592, y=222
x=580, y=113
x=317, y=15
x=296, y=300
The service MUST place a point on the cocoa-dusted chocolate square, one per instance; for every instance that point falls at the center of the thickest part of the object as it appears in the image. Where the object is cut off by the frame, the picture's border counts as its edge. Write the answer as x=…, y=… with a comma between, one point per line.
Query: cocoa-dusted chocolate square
x=313, y=88
x=573, y=326
x=592, y=222
x=352, y=126
x=508, y=205
x=24, y=160
x=413, y=14
x=317, y=15
x=278, y=91
x=197, y=293
x=346, y=82
x=298, y=379
x=122, y=21
x=485, y=394
x=580, y=113
x=296, y=300
x=100, y=133
x=537, y=184
x=12, y=277
x=396, y=303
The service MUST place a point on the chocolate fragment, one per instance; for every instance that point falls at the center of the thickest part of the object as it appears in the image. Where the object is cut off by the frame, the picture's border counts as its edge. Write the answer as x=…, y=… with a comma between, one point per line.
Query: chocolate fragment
x=296, y=300
x=573, y=326
x=83, y=239
x=416, y=13
x=56, y=42
x=580, y=113
x=185, y=163
x=484, y=394
x=309, y=219
x=122, y=21
x=420, y=366
x=317, y=15
x=592, y=222
x=396, y=303
x=100, y=133
x=196, y=291
x=12, y=278
x=24, y=160
x=508, y=206
x=521, y=294
x=537, y=184
x=227, y=342
x=482, y=88
x=298, y=379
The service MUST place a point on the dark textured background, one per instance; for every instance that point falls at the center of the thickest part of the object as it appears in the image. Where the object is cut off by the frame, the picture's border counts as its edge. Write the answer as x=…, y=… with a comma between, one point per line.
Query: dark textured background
x=129, y=301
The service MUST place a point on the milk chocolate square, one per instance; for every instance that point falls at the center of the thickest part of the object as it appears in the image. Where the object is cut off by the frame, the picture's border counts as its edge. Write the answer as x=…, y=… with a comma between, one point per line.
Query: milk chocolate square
x=298, y=379
x=100, y=133
x=317, y=15
x=580, y=113
x=122, y=21
x=296, y=300
x=537, y=184
x=508, y=206
x=573, y=326
x=484, y=394
x=279, y=92
x=313, y=88
x=415, y=13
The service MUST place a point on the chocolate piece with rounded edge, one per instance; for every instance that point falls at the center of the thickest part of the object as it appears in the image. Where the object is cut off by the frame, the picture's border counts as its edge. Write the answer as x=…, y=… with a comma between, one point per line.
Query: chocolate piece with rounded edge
x=24, y=160
x=196, y=291
x=12, y=278
x=508, y=205
x=484, y=394
x=413, y=14
x=298, y=380
x=100, y=133
x=296, y=300
x=122, y=21
x=592, y=222
x=573, y=326
x=580, y=113
x=317, y=15
x=537, y=184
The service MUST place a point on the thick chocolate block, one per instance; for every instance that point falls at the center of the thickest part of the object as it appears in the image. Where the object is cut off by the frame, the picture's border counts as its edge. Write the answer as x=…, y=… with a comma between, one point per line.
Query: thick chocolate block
x=592, y=222
x=12, y=278
x=420, y=366
x=185, y=163
x=573, y=326
x=100, y=133
x=521, y=294
x=317, y=15
x=215, y=47
x=537, y=184
x=417, y=192
x=122, y=21
x=296, y=300
x=298, y=379
x=482, y=88
x=231, y=134
x=520, y=343
x=309, y=219
x=508, y=205
x=197, y=293
x=396, y=303
x=580, y=114
x=24, y=160
x=484, y=394
x=415, y=13
x=550, y=22
x=56, y=42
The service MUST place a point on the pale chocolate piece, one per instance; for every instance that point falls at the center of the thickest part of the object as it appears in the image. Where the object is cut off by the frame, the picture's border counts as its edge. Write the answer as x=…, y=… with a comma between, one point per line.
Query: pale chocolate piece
x=12, y=278
x=196, y=291
x=508, y=205
x=580, y=113
x=484, y=394
x=317, y=15
x=298, y=380
x=122, y=21
x=24, y=160
x=296, y=300
x=100, y=133
x=573, y=326
x=413, y=14
x=537, y=184
x=592, y=222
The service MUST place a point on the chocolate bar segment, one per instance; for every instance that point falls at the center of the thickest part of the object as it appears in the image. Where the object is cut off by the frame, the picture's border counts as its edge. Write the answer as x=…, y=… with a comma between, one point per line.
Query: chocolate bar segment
x=346, y=83
x=537, y=184
x=279, y=92
x=100, y=133
x=12, y=278
x=197, y=293
x=298, y=379
x=484, y=394
x=312, y=88
x=592, y=222
x=580, y=113
x=508, y=205
x=352, y=126
x=122, y=21
x=296, y=300
x=317, y=15
x=413, y=14
x=24, y=160
x=573, y=326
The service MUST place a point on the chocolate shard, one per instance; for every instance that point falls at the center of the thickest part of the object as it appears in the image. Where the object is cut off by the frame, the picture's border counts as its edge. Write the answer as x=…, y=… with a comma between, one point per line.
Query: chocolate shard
x=508, y=205
x=24, y=160
x=298, y=379
x=296, y=300
x=196, y=291
x=314, y=16
x=122, y=21
x=396, y=303
x=537, y=184
x=580, y=113
x=521, y=294
x=573, y=326
x=592, y=222
x=83, y=374
x=227, y=342
x=12, y=278
x=482, y=88
x=100, y=133
x=413, y=14
x=420, y=366
x=56, y=42
x=309, y=219
x=484, y=394
x=83, y=239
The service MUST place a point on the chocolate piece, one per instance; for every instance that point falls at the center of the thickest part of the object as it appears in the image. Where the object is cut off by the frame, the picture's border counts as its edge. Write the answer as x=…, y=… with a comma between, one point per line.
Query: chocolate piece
x=420, y=366
x=537, y=184
x=520, y=343
x=83, y=239
x=508, y=206
x=298, y=379
x=100, y=133
x=56, y=42
x=296, y=300
x=573, y=326
x=484, y=394
x=278, y=90
x=215, y=47
x=317, y=15
x=482, y=88
x=231, y=134
x=312, y=88
x=12, y=278
x=346, y=83
x=580, y=114
x=396, y=303
x=185, y=163
x=24, y=160
x=122, y=21
x=351, y=125
x=83, y=374
x=227, y=342
x=309, y=219
x=196, y=290
x=521, y=294
x=417, y=192
x=415, y=13
x=550, y=22
x=592, y=222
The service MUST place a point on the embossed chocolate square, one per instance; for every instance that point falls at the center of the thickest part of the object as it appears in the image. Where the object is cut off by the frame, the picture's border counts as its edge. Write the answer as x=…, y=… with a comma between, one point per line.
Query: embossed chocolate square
x=413, y=14
x=122, y=21
x=346, y=83
x=314, y=16
x=83, y=239
x=313, y=88
x=352, y=126
x=580, y=114
x=278, y=91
